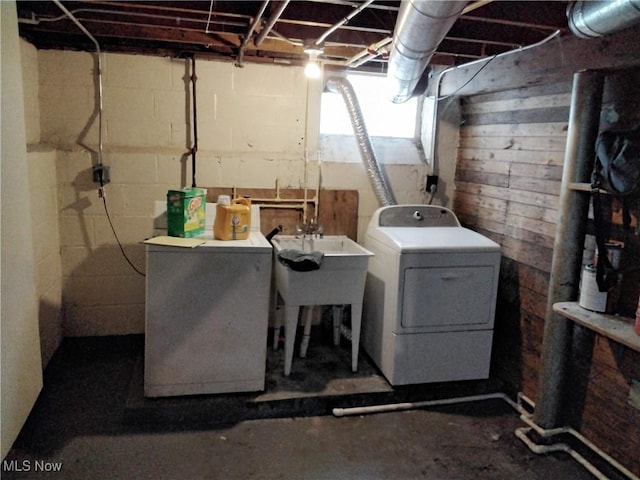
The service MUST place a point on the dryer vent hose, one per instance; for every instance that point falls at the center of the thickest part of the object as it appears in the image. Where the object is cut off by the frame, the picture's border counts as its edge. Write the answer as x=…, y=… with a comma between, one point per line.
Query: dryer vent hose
x=376, y=175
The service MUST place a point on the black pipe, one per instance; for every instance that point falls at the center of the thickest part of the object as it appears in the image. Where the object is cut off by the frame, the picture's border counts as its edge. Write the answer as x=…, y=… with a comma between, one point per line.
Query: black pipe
x=194, y=148
x=273, y=233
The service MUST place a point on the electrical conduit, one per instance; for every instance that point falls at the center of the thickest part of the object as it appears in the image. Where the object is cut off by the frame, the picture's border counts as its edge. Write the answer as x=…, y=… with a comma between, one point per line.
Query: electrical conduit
x=99, y=73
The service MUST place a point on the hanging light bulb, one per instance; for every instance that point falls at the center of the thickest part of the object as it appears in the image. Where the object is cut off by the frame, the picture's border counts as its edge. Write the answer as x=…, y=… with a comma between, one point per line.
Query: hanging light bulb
x=312, y=68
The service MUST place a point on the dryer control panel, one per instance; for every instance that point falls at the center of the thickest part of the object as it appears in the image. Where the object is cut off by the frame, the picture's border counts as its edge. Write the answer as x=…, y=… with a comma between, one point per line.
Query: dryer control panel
x=416, y=216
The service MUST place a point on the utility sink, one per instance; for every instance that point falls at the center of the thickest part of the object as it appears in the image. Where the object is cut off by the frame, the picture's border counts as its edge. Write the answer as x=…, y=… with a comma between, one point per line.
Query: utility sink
x=339, y=281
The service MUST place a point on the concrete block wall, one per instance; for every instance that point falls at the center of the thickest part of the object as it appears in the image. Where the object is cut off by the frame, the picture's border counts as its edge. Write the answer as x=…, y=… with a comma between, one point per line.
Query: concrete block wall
x=255, y=124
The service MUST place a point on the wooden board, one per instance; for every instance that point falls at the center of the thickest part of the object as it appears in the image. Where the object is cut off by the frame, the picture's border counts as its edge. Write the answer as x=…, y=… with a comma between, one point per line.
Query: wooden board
x=553, y=62
x=616, y=328
x=337, y=209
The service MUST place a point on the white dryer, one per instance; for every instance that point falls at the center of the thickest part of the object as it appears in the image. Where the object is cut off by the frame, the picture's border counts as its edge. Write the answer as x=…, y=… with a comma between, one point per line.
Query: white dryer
x=430, y=296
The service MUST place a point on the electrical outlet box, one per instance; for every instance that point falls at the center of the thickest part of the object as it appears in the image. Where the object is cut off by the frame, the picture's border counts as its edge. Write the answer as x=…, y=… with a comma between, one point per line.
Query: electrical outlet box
x=432, y=181
x=101, y=174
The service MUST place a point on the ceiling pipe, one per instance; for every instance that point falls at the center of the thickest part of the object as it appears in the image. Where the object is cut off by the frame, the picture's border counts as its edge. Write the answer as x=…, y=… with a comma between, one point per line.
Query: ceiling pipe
x=270, y=23
x=342, y=22
x=598, y=18
x=420, y=27
x=249, y=35
x=369, y=53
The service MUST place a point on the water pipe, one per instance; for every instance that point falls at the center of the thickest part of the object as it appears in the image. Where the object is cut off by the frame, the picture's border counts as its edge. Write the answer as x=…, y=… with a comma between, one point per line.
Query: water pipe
x=194, y=146
x=547, y=433
x=521, y=432
x=394, y=407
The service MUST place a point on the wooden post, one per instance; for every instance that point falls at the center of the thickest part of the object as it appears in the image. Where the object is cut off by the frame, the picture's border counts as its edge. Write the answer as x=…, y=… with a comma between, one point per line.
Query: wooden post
x=586, y=100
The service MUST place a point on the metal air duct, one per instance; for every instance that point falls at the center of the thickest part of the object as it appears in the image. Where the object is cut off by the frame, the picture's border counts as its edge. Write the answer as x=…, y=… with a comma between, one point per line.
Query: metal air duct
x=420, y=27
x=376, y=176
x=590, y=19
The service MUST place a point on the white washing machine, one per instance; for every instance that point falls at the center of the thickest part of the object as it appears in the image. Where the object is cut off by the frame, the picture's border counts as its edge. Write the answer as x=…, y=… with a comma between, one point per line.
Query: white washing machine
x=207, y=313
x=430, y=296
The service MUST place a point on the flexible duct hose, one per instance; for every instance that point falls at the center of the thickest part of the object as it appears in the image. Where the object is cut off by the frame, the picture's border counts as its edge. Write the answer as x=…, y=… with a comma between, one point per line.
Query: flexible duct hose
x=420, y=27
x=374, y=172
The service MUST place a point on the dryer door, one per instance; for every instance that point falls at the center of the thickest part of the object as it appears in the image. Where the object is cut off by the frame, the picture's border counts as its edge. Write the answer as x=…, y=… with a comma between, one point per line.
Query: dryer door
x=448, y=298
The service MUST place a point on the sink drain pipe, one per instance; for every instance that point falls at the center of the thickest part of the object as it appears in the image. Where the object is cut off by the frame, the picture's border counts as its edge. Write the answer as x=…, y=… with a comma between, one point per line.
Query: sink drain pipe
x=520, y=432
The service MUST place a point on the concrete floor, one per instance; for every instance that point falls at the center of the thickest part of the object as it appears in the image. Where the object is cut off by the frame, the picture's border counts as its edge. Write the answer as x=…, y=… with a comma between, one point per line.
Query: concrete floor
x=92, y=422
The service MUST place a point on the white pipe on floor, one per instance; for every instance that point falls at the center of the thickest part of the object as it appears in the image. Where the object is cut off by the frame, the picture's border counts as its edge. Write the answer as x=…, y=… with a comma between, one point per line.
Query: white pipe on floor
x=525, y=416
x=521, y=433
x=547, y=433
x=393, y=407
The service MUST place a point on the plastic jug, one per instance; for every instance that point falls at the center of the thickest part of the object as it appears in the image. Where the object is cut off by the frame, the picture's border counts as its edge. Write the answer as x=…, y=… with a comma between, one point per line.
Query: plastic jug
x=233, y=221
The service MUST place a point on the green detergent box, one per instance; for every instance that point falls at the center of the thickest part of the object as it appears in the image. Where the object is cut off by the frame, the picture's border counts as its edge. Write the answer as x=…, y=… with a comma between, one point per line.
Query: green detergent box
x=186, y=212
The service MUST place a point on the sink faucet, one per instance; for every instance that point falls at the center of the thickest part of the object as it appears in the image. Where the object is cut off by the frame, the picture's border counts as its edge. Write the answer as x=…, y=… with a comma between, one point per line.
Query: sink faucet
x=308, y=231
x=312, y=227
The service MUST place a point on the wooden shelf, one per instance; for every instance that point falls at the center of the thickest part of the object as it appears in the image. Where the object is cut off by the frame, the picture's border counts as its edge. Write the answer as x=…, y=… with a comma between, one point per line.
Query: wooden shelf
x=619, y=329
x=584, y=187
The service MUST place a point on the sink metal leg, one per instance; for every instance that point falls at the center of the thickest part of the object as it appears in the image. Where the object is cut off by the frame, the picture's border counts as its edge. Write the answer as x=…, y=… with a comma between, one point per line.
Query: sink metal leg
x=356, y=321
x=290, y=327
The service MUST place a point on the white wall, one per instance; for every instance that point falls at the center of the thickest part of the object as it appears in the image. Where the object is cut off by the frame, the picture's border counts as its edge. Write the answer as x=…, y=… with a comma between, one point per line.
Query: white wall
x=255, y=124
x=43, y=189
x=20, y=347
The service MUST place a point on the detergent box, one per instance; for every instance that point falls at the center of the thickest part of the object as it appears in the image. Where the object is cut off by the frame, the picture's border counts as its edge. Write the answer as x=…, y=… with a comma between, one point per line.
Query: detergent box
x=186, y=212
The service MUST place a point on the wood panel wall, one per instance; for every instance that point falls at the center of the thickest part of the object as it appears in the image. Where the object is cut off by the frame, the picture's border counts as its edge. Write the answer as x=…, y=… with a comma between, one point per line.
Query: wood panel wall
x=509, y=169
x=508, y=177
x=337, y=209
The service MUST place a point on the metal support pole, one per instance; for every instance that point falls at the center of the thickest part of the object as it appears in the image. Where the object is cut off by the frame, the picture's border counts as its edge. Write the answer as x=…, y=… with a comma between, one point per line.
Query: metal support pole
x=584, y=116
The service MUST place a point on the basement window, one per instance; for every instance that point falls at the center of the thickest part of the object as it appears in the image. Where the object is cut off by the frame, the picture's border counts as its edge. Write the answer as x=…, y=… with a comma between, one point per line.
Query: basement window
x=382, y=117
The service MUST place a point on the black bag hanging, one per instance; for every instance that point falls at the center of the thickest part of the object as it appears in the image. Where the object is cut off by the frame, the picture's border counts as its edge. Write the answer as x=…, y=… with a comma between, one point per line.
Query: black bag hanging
x=617, y=166
x=617, y=171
